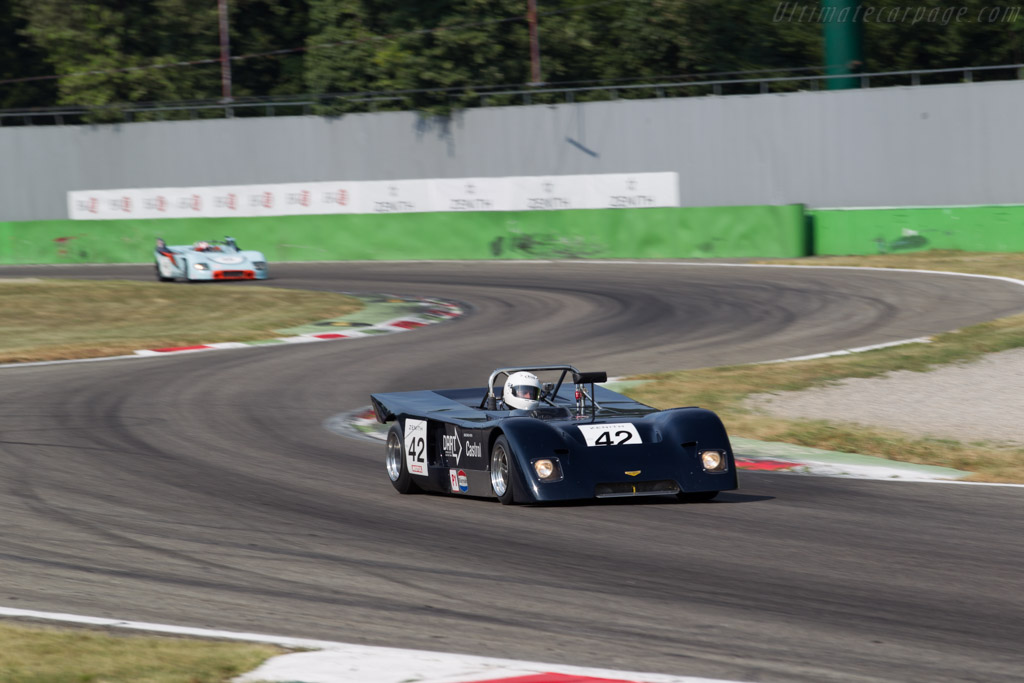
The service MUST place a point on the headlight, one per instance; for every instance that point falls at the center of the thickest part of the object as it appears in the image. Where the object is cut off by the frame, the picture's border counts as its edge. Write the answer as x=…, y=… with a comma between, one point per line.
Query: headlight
x=259, y=265
x=200, y=266
x=544, y=468
x=547, y=469
x=713, y=461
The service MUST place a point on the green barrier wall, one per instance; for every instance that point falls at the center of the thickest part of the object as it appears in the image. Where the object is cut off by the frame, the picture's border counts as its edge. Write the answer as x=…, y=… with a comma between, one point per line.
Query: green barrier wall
x=882, y=231
x=765, y=231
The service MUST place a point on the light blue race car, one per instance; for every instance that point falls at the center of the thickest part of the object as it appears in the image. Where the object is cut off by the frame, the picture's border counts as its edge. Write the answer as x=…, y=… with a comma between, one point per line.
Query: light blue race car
x=208, y=261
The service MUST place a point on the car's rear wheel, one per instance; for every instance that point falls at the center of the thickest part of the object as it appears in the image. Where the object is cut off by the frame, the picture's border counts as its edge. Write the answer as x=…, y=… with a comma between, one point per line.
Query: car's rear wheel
x=159, y=275
x=398, y=473
x=696, y=496
x=503, y=471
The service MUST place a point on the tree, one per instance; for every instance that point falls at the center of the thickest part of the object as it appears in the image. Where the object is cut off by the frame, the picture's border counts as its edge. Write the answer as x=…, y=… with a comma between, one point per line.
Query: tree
x=442, y=54
x=20, y=59
x=259, y=27
x=934, y=35
x=104, y=50
x=744, y=35
x=394, y=46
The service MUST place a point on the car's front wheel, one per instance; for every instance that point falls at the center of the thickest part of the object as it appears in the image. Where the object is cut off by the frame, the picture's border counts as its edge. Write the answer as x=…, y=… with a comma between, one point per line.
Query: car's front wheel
x=398, y=473
x=503, y=471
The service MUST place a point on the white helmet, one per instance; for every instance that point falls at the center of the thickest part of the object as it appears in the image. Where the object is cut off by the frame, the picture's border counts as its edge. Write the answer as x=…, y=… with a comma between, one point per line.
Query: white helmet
x=202, y=246
x=522, y=391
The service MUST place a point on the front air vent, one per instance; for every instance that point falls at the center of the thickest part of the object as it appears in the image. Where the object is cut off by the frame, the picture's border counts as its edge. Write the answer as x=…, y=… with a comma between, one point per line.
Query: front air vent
x=622, y=489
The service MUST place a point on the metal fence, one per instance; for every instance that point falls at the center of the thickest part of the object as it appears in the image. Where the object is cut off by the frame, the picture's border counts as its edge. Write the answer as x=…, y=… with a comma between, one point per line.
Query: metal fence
x=442, y=100
x=939, y=145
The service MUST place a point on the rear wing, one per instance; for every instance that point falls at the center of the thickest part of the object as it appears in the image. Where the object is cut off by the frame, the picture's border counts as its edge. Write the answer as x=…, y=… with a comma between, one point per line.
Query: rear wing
x=387, y=407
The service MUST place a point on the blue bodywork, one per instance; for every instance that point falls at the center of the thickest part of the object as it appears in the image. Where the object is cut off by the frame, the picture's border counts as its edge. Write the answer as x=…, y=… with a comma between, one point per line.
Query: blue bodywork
x=597, y=453
x=217, y=260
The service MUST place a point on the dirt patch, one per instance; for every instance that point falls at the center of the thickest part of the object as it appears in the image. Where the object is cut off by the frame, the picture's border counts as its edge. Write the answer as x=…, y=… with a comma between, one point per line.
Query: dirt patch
x=978, y=401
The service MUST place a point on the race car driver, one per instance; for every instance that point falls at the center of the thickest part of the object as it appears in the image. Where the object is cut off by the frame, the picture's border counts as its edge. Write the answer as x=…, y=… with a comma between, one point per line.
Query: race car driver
x=522, y=391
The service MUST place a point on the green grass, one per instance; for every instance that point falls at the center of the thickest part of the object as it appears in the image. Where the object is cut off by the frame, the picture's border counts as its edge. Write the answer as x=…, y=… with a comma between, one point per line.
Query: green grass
x=60, y=319
x=724, y=389
x=1006, y=265
x=43, y=654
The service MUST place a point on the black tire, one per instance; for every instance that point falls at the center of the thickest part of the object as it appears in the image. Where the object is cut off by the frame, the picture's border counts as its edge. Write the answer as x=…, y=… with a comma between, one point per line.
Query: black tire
x=696, y=496
x=160, y=277
x=503, y=472
x=394, y=462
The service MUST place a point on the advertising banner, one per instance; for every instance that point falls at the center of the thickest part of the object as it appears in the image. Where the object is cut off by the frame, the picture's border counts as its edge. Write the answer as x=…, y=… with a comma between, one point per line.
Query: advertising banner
x=433, y=195
x=471, y=194
x=605, y=191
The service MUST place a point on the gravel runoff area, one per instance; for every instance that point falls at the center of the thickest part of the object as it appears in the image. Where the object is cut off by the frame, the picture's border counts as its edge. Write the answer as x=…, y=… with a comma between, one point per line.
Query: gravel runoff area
x=977, y=401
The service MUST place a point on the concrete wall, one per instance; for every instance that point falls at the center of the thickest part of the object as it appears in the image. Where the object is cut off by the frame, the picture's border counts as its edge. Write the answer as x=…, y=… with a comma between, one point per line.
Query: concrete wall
x=931, y=145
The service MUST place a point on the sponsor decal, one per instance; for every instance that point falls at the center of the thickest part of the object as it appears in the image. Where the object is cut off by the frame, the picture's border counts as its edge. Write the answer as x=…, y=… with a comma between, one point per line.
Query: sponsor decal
x=190, y=202
x=227, y=201
x=452, y=446
x=393, y=204
x=393, y=207
x=155, y=203
x=630, y=201
x=261, y=200
x=615, y=434
x=416, y=447
x=459, y=480
x=121, y=204
x=300, y=198
x=456, y=447
x=549, y=201
x=470, y=202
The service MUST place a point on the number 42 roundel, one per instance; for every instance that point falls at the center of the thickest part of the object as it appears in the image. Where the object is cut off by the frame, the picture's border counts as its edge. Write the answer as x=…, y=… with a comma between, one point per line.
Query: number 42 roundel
x=610, y=434
x=416, y=447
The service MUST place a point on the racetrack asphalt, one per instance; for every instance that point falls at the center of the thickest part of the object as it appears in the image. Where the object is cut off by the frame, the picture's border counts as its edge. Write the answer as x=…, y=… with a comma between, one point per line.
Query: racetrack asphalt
x=202, y=489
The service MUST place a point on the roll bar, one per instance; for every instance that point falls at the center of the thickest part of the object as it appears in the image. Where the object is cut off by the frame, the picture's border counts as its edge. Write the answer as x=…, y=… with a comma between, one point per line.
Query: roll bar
x=578, y=378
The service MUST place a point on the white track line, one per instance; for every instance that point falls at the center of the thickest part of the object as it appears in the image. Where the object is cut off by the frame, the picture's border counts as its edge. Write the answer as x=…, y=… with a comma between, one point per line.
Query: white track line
x=344, y=662
x=846, y=352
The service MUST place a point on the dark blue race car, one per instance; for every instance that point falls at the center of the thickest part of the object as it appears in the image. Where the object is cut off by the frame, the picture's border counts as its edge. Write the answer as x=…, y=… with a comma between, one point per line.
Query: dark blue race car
x=580, y=441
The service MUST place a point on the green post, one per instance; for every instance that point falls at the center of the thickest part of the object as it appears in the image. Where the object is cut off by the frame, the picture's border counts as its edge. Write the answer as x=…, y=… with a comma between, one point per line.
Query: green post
x=844, y=42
